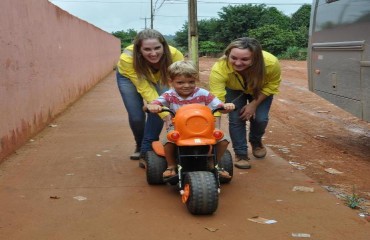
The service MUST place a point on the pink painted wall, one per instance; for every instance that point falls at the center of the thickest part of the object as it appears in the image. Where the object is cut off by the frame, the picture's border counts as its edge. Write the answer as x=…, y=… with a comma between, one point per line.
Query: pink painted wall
x=48, y=59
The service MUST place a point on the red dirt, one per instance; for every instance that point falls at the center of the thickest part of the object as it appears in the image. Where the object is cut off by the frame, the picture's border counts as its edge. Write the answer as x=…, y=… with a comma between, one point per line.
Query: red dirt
x=74, y=180
x=313, y=134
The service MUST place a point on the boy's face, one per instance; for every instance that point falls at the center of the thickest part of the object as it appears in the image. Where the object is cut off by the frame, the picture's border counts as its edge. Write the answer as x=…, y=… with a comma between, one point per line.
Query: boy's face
x=184, y=86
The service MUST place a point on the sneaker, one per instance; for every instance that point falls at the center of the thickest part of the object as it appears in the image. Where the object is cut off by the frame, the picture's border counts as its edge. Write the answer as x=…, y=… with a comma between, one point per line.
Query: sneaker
x=258, y=150
x=136, y=154
x=242, y=161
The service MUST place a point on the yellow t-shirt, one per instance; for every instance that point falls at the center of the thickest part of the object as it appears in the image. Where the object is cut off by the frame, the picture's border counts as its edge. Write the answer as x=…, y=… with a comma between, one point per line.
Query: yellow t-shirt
x=126, y=68
x=223, y=75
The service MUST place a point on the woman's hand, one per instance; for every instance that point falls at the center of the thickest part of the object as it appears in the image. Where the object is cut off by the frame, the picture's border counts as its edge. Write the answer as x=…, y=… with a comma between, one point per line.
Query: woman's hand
x=248, y=111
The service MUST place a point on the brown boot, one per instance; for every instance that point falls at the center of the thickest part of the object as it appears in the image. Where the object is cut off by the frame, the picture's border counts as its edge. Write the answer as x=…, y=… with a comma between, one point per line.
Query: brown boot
x=258, y=150
x=242, y=161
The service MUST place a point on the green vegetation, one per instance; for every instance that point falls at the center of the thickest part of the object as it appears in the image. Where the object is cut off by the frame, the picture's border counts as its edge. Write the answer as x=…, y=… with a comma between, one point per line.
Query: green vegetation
x=284, y=36
x=295, y=53
x=353, y=200
x=126, y=37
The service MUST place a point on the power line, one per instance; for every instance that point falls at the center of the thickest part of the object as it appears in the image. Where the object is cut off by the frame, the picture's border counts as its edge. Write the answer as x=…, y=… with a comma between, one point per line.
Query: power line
x=158, y=15
x=92, y=1
x=183, y=2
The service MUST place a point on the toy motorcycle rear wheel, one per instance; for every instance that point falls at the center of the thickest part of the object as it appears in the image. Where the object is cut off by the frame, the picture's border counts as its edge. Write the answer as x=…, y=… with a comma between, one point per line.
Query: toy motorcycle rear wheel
x=155, y=167
x=227, y=164
x=201, y=193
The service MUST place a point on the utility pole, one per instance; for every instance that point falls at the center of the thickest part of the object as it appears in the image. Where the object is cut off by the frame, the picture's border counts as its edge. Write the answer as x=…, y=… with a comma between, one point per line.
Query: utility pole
x=193, y=33
x=151, y=14
x=145, y=21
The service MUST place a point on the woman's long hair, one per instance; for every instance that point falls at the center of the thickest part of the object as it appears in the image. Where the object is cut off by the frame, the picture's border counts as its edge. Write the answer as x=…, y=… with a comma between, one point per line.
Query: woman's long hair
x=256, y=72
x=141, y=66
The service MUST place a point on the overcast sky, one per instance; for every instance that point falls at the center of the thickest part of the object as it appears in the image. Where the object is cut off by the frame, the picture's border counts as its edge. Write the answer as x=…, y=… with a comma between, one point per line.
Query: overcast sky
x=117, y=15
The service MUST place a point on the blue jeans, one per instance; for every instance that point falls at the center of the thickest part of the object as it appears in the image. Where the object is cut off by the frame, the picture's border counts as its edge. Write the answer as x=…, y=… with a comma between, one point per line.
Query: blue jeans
x=145, y=127
x=237, y=126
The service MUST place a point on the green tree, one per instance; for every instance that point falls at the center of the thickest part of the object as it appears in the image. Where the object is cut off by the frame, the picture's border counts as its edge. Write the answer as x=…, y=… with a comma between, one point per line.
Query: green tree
x=300, y=25
x=181, y=37
x=301, y=36
x=301, y=17
x=127, y=37
x=235, y=21
x=206, y=32
x=273, y=39
x=209, y=48
x=271, y=27
x=273, y=16
x=208, y=28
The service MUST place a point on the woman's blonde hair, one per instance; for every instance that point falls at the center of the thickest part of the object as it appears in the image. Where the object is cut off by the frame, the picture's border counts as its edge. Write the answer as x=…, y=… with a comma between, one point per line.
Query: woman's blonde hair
x=256, y=72
x=141, y=66
x=183, y=68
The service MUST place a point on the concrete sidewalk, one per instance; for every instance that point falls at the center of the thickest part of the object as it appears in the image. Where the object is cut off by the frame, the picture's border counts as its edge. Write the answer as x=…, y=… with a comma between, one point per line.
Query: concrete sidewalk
x=75, y=181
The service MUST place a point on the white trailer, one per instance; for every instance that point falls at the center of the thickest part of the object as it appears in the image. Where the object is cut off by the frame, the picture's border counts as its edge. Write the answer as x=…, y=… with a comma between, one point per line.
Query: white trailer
x=339, y=54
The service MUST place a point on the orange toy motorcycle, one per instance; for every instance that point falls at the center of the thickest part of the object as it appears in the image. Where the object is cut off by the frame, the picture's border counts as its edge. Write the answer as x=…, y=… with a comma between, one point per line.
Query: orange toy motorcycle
x=195, y=136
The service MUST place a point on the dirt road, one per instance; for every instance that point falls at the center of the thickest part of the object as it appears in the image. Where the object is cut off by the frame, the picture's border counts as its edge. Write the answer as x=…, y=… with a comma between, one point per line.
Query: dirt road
x=75, y=181
x=314, y=135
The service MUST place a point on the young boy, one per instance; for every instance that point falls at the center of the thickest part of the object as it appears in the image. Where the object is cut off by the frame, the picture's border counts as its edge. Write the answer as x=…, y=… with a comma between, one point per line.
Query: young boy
x=183, y=77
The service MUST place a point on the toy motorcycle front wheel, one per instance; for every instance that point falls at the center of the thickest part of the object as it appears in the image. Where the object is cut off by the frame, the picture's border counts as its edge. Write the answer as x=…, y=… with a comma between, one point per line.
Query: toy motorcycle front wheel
x=200, y=192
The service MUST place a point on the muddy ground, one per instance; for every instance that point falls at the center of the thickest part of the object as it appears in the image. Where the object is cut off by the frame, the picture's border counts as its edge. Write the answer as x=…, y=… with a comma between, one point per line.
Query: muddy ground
x=317, y=137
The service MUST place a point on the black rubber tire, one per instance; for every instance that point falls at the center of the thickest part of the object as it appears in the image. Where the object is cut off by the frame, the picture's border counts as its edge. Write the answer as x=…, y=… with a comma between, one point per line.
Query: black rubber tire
x=227, y=164
x=155, y=166
x=203, y=195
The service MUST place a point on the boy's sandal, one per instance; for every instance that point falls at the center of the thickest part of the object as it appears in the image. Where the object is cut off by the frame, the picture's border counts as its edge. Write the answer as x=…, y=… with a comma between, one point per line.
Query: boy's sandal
x=170, y=172
x=223, y=173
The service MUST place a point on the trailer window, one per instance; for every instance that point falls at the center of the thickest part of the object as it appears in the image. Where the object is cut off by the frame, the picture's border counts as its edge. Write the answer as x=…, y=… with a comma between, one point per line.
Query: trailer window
x=332, y=14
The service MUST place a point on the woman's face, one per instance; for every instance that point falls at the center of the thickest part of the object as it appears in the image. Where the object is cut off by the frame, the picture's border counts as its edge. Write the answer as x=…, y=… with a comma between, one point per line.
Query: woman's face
x=240, y=59
x=152, y=50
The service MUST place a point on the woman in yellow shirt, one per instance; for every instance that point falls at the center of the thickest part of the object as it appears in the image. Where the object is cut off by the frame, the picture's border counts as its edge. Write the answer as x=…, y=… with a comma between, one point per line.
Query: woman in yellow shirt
x=248, y=77
x=142, y=76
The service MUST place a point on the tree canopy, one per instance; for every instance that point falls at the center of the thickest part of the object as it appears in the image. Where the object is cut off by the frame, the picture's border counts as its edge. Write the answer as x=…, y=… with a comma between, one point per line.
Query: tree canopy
x=272, y=28
x=126, y=37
